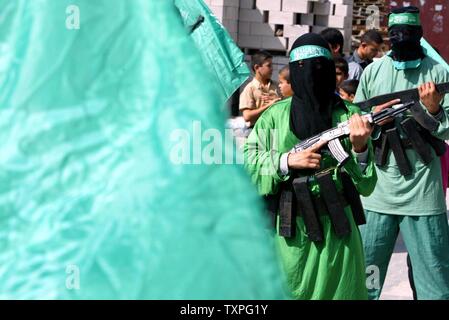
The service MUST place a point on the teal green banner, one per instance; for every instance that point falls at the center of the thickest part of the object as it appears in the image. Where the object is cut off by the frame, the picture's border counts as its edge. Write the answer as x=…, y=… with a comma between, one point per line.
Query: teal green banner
x=431, y=52
x=223, y=59
x=94, y=97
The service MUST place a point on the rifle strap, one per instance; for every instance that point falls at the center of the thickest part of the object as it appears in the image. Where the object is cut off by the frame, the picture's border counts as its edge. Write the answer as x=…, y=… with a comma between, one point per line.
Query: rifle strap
x=335, y=208
x=421, y=147
x=287, y=216
x=395, y=144
x=353, y=197
x=307, y=209
x=418, y=138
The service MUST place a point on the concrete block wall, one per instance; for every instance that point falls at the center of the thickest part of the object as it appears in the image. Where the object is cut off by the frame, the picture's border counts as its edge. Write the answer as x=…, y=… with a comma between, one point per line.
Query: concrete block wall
x=227, y=12
x=275, y=24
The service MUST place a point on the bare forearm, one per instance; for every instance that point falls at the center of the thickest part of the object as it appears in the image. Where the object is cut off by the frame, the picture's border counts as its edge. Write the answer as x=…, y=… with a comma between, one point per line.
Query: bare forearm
x=251, y=115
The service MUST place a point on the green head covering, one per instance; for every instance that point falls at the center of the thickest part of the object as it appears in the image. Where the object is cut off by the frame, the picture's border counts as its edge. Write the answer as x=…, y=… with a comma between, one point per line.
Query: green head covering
x=308, y=52
x=406, y=18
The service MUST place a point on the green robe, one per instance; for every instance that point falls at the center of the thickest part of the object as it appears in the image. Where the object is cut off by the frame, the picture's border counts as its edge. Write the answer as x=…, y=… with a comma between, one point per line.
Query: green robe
x=422, y=192
x=92, y=202
x=335, y=268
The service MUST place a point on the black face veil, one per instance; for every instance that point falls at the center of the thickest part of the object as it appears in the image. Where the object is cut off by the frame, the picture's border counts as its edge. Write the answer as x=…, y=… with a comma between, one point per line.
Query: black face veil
x=405, y=33
x=313, y=83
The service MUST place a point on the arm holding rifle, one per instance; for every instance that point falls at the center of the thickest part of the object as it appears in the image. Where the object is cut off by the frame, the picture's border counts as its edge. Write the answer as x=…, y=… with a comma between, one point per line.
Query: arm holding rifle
x=358, y=128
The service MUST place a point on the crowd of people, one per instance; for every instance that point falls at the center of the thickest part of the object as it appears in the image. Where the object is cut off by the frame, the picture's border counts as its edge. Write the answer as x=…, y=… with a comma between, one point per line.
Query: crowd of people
x=333, y=220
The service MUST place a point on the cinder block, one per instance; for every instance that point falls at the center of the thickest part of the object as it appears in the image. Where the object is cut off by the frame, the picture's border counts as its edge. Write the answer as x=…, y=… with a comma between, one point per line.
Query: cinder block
x=246, y=4
x=250, y=41
x=231, y=25
x=231, y=13
x=342, y=10
x=339, y=22
x=333, y=21
x=231, y=3
x=269, y=5
x=322, y=20
x=322, y=8
x=290, y=42
x=278, y=17
x=274, y=43
x=297, y=6
x=244, y=27
x=343, y=1
x=305, y=19
x=262, y=29
x=295, y=31
x=250, y=15
x=317, y=29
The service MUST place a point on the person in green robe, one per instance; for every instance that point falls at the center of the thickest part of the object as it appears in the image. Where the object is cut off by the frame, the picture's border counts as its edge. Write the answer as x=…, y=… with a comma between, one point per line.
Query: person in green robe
x=412, y=203
x=334, y=267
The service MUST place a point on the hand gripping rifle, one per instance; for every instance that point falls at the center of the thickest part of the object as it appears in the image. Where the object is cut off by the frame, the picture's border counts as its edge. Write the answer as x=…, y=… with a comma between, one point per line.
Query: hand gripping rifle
x=332, y=136
x=416, y=109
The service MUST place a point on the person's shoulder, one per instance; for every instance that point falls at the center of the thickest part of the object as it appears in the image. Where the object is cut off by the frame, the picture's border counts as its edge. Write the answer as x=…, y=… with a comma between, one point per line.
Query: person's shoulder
x=350, y=58
x=250, y=84
x=281, y=105
x=378, y=63
x=355, y=66
x=433, y=64
x=278, y=108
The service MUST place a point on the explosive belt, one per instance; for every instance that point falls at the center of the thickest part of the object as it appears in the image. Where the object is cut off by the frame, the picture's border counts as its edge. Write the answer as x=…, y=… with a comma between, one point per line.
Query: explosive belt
x=418, y=138
x=295, y=199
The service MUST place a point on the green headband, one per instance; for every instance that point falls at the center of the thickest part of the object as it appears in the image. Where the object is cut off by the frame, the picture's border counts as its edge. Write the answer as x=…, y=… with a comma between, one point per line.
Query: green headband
x=308, y=52
x=404, y=18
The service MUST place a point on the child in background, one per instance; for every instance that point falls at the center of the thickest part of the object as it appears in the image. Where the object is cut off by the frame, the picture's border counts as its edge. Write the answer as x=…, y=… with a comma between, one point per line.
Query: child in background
x=348, y=89
x=284, y=83
x=341, y=71
x=260, y=93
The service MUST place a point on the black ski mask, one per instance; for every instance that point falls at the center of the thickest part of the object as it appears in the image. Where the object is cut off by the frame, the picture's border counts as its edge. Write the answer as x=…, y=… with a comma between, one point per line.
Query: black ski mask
x=313, y=83
x=405, y=37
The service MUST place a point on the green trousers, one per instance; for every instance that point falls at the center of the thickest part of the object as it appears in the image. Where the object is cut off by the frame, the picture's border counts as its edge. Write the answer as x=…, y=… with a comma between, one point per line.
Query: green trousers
x=427, y=242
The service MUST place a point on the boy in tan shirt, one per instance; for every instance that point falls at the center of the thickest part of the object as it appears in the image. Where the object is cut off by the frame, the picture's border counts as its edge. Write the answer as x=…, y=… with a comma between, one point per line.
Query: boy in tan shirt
x=260, y=93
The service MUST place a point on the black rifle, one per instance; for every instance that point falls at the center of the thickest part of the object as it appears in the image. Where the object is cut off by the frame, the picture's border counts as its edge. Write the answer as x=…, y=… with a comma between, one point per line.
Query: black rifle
x=412, y=95
x=331, y=136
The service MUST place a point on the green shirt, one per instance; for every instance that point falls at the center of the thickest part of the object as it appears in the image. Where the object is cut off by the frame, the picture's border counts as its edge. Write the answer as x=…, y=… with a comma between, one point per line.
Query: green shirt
x=272, y=137
x=421, y=193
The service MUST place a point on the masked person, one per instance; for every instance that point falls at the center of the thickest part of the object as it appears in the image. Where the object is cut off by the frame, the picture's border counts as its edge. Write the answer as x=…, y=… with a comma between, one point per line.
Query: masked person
x=319, y=262
x=409, y=195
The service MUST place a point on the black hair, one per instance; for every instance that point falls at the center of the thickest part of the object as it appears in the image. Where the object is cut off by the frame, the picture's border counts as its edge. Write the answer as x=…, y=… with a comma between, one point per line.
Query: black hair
x=259, y=58
x=333, y=37
x=342, y=64
x=372, y=36
x=350, y=86
x=285, y=72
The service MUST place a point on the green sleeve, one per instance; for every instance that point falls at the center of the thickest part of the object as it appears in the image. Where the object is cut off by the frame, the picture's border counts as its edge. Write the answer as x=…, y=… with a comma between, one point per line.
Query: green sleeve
x=442, y=131
x=365, y=181
x=262, y=158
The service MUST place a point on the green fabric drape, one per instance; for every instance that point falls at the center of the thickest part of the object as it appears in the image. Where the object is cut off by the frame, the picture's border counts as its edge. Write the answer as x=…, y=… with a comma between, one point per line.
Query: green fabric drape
x=92, y=204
